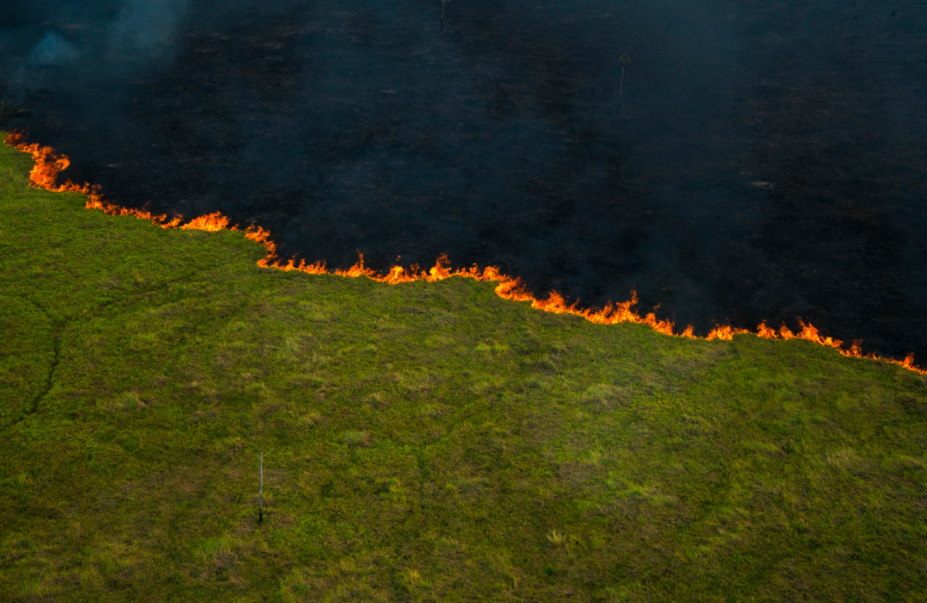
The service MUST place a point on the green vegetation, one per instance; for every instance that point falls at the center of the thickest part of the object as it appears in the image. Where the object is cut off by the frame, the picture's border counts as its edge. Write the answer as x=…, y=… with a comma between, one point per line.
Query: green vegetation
x=422, y=442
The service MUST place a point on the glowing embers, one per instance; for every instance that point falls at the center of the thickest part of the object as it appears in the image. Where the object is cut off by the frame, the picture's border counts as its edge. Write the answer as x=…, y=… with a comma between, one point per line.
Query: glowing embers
x=48, y=164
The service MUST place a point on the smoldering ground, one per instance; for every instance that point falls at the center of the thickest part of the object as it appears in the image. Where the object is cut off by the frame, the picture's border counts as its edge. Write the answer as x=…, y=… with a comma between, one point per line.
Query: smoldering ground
x=768, y=162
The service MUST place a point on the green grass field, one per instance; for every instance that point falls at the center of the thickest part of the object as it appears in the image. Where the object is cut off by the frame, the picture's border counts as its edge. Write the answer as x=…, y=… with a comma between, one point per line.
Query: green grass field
x=422, y=442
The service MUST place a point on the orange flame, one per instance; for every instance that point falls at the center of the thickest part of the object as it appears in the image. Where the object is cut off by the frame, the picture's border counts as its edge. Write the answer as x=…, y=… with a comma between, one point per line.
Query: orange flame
x=48, y=164
x=210, y=222
x=725, y=333
x=45, y=175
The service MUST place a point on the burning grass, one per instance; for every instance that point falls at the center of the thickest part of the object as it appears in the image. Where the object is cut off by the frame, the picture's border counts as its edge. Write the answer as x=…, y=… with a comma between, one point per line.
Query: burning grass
x=429, y=441
x=49, y=164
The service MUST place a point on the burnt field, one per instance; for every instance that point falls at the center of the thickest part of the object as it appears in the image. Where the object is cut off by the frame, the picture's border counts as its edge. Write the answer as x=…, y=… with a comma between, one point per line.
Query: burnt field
x=769, y=160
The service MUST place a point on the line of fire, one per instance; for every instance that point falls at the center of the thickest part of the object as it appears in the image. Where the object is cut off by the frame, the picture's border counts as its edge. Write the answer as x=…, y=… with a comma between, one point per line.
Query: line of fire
x=48, y=164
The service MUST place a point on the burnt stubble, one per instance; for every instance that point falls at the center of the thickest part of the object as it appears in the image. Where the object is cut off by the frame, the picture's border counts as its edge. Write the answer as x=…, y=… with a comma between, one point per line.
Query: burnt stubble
x=768, y=162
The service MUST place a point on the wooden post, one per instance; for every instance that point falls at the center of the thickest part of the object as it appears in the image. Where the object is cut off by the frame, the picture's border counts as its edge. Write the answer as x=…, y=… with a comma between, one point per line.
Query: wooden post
x=261, y=492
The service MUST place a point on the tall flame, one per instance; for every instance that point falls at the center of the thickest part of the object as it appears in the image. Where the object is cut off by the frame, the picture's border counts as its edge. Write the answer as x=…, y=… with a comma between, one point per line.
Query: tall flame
x=48, y=164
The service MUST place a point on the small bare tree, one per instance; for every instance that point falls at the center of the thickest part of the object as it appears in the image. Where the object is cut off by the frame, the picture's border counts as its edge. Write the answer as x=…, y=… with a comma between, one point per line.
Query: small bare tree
x=625, y=61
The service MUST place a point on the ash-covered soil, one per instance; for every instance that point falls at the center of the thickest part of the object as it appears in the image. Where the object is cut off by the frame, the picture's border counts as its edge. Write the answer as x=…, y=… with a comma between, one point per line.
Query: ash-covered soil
x=769, y=161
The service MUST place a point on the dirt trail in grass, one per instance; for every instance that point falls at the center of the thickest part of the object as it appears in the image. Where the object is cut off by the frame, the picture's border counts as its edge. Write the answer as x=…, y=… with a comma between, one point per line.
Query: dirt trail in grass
x=26, y=371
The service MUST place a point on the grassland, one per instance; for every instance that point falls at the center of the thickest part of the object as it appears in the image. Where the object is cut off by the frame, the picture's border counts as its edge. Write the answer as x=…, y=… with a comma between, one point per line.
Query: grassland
x=422, y=442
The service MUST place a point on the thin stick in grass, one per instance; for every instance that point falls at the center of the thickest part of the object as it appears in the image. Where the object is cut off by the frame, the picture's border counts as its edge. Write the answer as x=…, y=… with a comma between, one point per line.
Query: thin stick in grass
x=625, y=61
x=443, y=3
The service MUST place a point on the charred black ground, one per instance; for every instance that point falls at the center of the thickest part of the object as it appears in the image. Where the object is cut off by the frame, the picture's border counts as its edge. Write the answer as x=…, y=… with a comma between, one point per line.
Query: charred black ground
x=768, y=162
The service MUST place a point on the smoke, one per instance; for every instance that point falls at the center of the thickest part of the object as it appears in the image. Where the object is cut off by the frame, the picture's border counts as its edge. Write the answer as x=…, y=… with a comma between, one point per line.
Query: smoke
x=52, y=51
x=145, y=31
x=84, y=53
